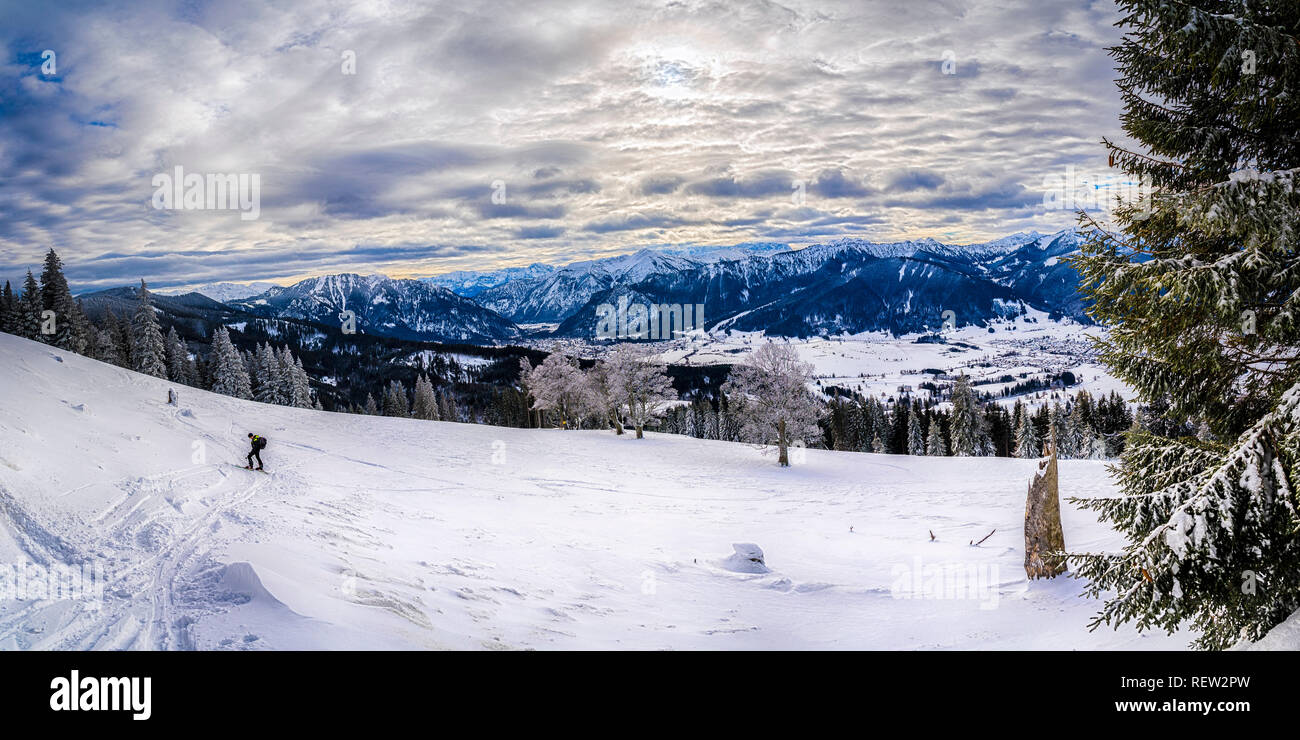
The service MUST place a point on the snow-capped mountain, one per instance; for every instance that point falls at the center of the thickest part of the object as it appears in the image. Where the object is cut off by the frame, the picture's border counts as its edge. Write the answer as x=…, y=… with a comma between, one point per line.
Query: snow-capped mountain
x=845, y=285
x=469, y=283
x=851, y=285
x=222, y=292
x=405, y=309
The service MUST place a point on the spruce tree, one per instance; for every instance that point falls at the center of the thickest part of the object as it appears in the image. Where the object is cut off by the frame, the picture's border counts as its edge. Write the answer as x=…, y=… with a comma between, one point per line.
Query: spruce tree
x=969, y=437
x=229, y=375
x=915, y=439
x=148, y=353
x=71, y=327
x=1199, y=285
x=177, y=358
x=934, y=444
x=8, y=310
x=1028, y=445
x=395, y=400
x=426, y=403
x=29, y=310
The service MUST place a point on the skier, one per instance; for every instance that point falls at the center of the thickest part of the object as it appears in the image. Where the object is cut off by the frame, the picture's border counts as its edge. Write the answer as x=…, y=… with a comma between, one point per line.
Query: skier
x=259, y=444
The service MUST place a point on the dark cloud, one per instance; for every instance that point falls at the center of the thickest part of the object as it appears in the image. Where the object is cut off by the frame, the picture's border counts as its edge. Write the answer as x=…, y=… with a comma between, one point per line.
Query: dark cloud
x=606, y=126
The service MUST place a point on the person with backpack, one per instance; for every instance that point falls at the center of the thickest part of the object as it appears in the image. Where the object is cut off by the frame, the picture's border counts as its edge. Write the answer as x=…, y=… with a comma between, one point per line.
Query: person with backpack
x=259, y=444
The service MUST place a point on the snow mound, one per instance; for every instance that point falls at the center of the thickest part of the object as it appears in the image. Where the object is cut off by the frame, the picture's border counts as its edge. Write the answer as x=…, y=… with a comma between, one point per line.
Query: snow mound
x=242, y=579
x=747, y=558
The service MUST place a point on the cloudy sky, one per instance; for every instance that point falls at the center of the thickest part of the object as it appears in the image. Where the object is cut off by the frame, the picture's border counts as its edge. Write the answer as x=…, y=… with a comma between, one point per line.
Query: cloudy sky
x=476, y=135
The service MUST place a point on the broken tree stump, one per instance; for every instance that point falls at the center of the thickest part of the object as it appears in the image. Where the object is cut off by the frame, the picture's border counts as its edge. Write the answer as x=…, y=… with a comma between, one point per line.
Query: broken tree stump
x=1043, y=534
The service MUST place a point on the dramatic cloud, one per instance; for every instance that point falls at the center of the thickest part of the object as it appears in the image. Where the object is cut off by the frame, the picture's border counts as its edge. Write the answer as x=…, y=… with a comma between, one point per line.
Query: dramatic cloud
x=414, y=138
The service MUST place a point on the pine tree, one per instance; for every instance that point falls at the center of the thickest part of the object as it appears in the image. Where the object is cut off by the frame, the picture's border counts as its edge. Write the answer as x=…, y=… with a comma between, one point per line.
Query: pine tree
x=1198, y=284
x=148, y=354
x=300, y=395
x=71, y=326
x=915, y=440
x=1028, y=444
x=228, y=373
x=969, y=437
x=426, y=403
x=29, y=310
x=371, y=408
x=934, y=444
x=268, y=382
x=8, y=310
x=178, y=358
x=395, y=400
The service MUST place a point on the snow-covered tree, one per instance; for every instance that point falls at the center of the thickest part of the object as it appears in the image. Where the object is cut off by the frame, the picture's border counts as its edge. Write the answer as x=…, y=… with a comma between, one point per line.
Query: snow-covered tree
x=228, y=373
x=1199, y=286
x=72, y=329
x=370, y=408
x=558, y=385
x=603, y=396
x=1028, y=444
x=771, y=397
x=29, y=310
x=177, y=357
x=969, y=436
x=425, y=405
x=915, y=439
x=148, y=352
x=642, y=385
x=395, y=400
x=934, y=444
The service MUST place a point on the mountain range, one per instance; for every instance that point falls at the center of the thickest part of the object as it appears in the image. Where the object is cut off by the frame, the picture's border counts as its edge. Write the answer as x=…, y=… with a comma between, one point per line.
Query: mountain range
x=845, y=285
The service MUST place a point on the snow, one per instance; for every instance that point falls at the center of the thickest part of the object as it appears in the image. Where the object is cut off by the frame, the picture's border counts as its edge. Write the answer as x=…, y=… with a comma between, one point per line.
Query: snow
x=380, y=533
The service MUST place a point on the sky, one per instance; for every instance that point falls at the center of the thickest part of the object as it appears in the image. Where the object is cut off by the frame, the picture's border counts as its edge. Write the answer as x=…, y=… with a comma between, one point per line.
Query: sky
x=416, y=138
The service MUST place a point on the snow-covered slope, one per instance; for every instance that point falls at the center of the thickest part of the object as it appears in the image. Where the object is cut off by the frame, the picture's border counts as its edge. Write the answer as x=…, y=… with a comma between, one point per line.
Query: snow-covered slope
x=372, y=532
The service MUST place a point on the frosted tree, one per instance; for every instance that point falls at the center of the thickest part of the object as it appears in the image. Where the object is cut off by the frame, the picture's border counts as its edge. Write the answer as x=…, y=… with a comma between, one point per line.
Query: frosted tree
x=370, y=408
x=299, y=383
x=934, y=444
x=395, y=400
x=269, y=385
x=1028, y=444
x=771, y=397
x=148, y=352
x=1199, y=286
x=603, y=395
x=915, y=438
x=642, y=383
x=228, y=373
x=105, y=349
x=177, y=358
x=969, y=437
x=1058, y=430
x=425, y=405
x=558, y=385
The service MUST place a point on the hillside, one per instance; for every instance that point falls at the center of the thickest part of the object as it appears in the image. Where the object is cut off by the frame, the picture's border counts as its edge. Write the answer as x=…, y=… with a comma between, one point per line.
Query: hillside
x=372, y=532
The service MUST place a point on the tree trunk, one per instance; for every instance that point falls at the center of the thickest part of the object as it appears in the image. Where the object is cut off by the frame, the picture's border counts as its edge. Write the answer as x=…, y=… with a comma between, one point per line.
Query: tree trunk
x=784, y=458
x=639, y=430
x=1043, y=534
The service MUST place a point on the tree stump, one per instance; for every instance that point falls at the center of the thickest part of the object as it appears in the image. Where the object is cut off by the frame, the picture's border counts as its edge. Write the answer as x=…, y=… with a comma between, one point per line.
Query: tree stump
x=1043, y=534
